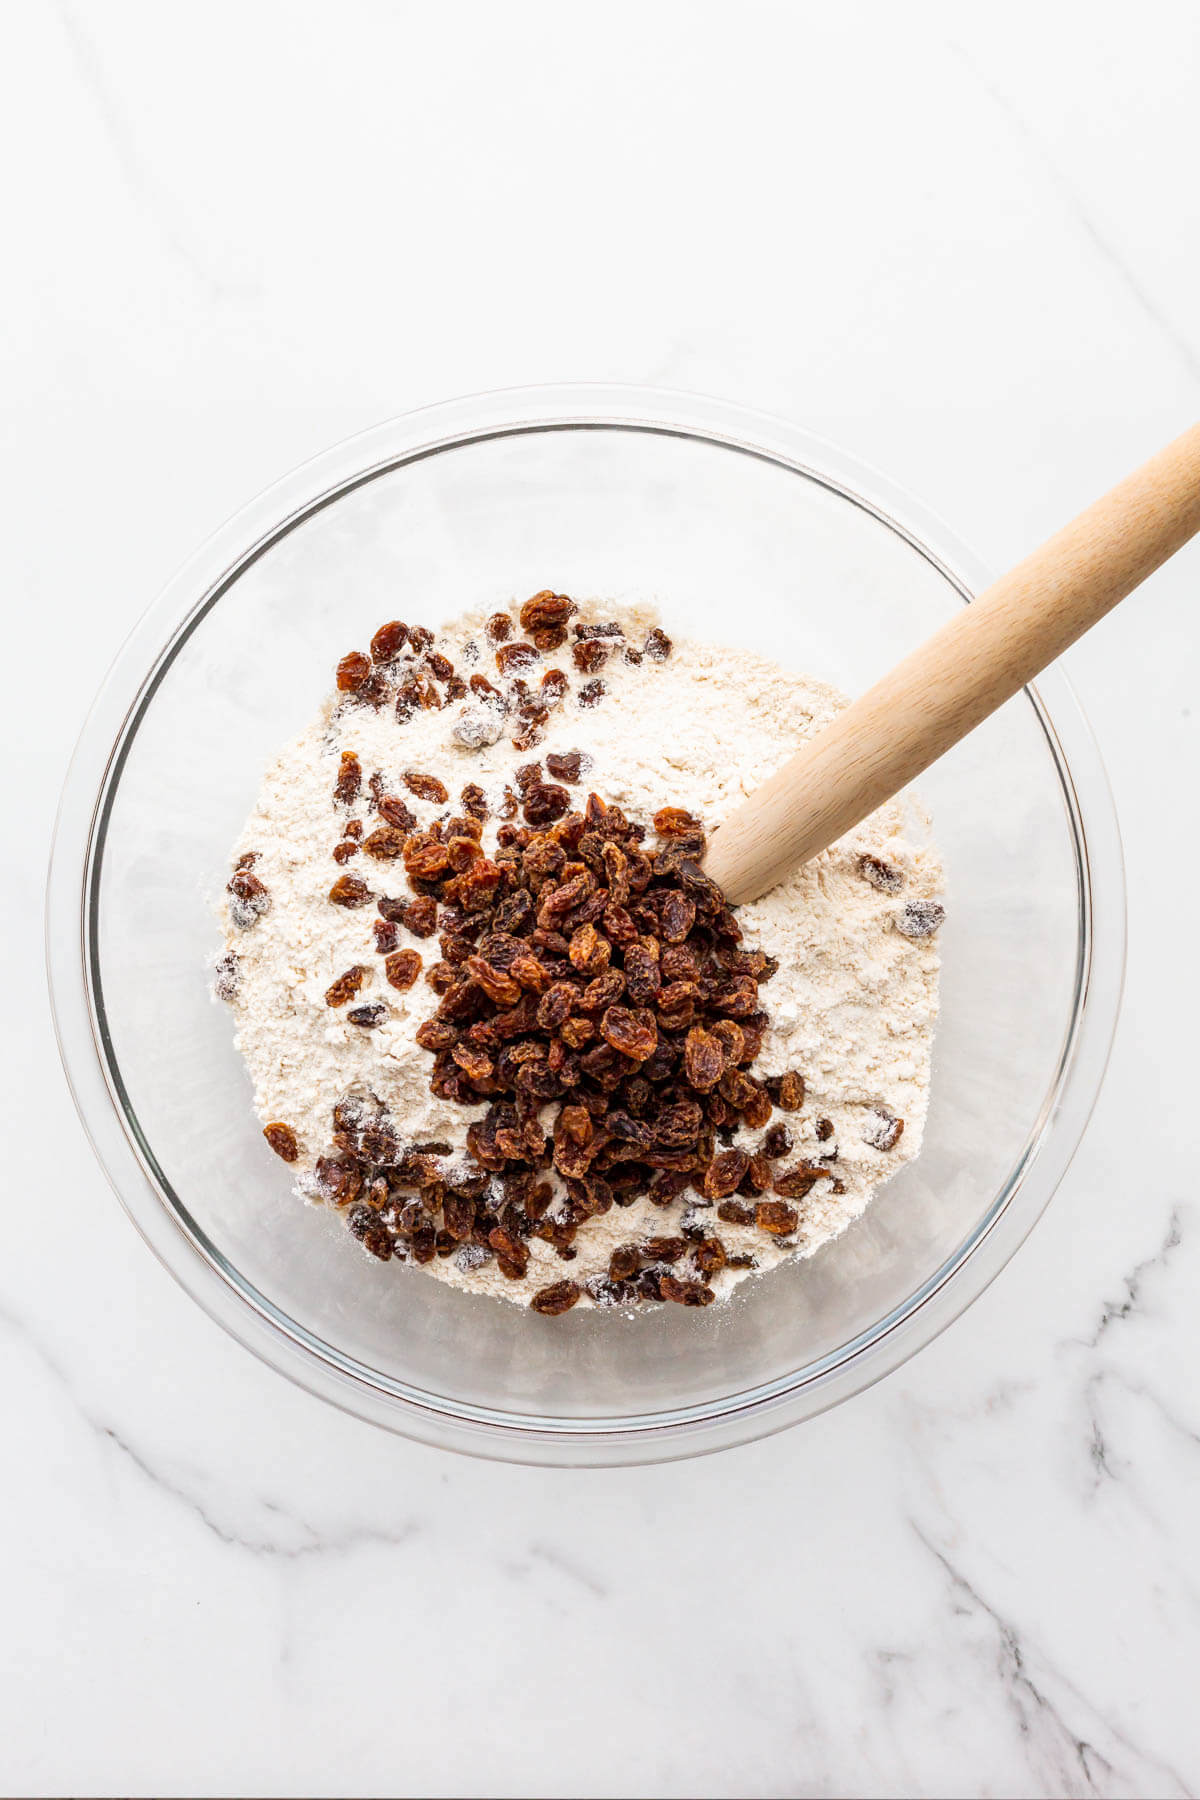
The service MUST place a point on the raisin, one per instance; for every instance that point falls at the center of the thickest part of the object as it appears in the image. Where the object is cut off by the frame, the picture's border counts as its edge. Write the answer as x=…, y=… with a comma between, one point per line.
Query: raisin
x=732, y=1212
x=367, y=1017
x=664, y=1249
x=511, y=658
x=589, y=952
x=395, y=812
x=388, y=641
x=634, y=1034
x=345, y=850
x=352, y=671
x=794, y=1183
x=402, y=968
x=558, y=1298
x=426, y=787
x=419, y=638
x=790, y=1093
x=473, y=800
x=704, y=1059
x=724, y=1173
x=776, y=1217
x=592, y=692
x=385, y=843
x=554, y=686
x=880, y=874
x=387, y=936
x=920, y=918
x=511, y=1251
x=499, y=627
x=544, y=803
x=349, y=781
x=349, y=890
x=824, y=1130
x=882, y=1129
x=658, y=645
x=227, y=976
x=709, y=1255
x=248, y=898
x=439, y=665
x=346, y=986
x=777, y=1142
x=685, y=1293
x=625, y=1261
x=642, y=973
x=589, y=655
x=678, y=917
x=673, y=821
x=421, y=916
x=282, y=1140
x=546, y=610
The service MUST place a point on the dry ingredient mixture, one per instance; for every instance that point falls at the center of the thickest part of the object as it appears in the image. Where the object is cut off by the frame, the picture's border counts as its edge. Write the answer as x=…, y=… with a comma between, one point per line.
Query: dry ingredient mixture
x=497, y=1015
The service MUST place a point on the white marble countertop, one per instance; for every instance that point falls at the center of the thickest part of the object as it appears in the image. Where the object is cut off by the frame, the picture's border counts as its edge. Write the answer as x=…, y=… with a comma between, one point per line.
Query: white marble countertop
x=962, y=243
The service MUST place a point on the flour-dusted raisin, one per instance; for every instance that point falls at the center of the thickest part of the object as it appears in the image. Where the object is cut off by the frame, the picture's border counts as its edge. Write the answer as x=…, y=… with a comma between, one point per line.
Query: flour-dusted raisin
x=227, y=976
x=367, y=1017
x=589, y=655
x=426, y=787
x=352, y=671
x=402, y=968
x=439, y=665
x=920, y=918
x=882, y=875
x=388, y=641
x=554, y=687
x=249, y=898
x=349, y=781
x=824, y=1130
x=558, y=1298
x=592, y=692
x=350, y=890
x=658, y=645
x=282, y=1140
x=512, y=658
x=499, y=627
x=882, y=1128
x=346, y=986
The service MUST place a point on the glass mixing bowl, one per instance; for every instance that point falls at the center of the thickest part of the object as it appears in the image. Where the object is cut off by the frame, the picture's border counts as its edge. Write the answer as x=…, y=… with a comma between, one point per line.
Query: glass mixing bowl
x=743, y=529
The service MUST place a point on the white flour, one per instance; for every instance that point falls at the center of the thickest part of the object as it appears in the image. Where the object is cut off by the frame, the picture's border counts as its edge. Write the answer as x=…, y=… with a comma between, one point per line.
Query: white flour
x=852, y=1007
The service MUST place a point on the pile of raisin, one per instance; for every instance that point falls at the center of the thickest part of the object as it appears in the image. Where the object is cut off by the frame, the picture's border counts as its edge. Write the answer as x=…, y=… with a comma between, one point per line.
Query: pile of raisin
x=584, y=970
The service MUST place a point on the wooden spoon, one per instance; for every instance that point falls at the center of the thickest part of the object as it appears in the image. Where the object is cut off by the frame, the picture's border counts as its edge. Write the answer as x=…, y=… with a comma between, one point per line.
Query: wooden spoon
x=977, y=661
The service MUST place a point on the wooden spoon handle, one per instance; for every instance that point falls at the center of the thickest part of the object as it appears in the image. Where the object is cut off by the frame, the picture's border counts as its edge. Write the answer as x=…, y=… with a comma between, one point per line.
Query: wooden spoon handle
x=983, y=656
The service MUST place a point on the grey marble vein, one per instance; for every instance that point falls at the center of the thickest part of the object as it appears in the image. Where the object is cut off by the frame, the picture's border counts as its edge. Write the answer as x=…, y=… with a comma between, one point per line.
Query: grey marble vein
x=313, y=1540
x=1075, y=1763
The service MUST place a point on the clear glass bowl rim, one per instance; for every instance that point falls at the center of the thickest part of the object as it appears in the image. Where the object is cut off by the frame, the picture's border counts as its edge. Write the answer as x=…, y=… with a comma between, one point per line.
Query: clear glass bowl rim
x=94, y=1080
